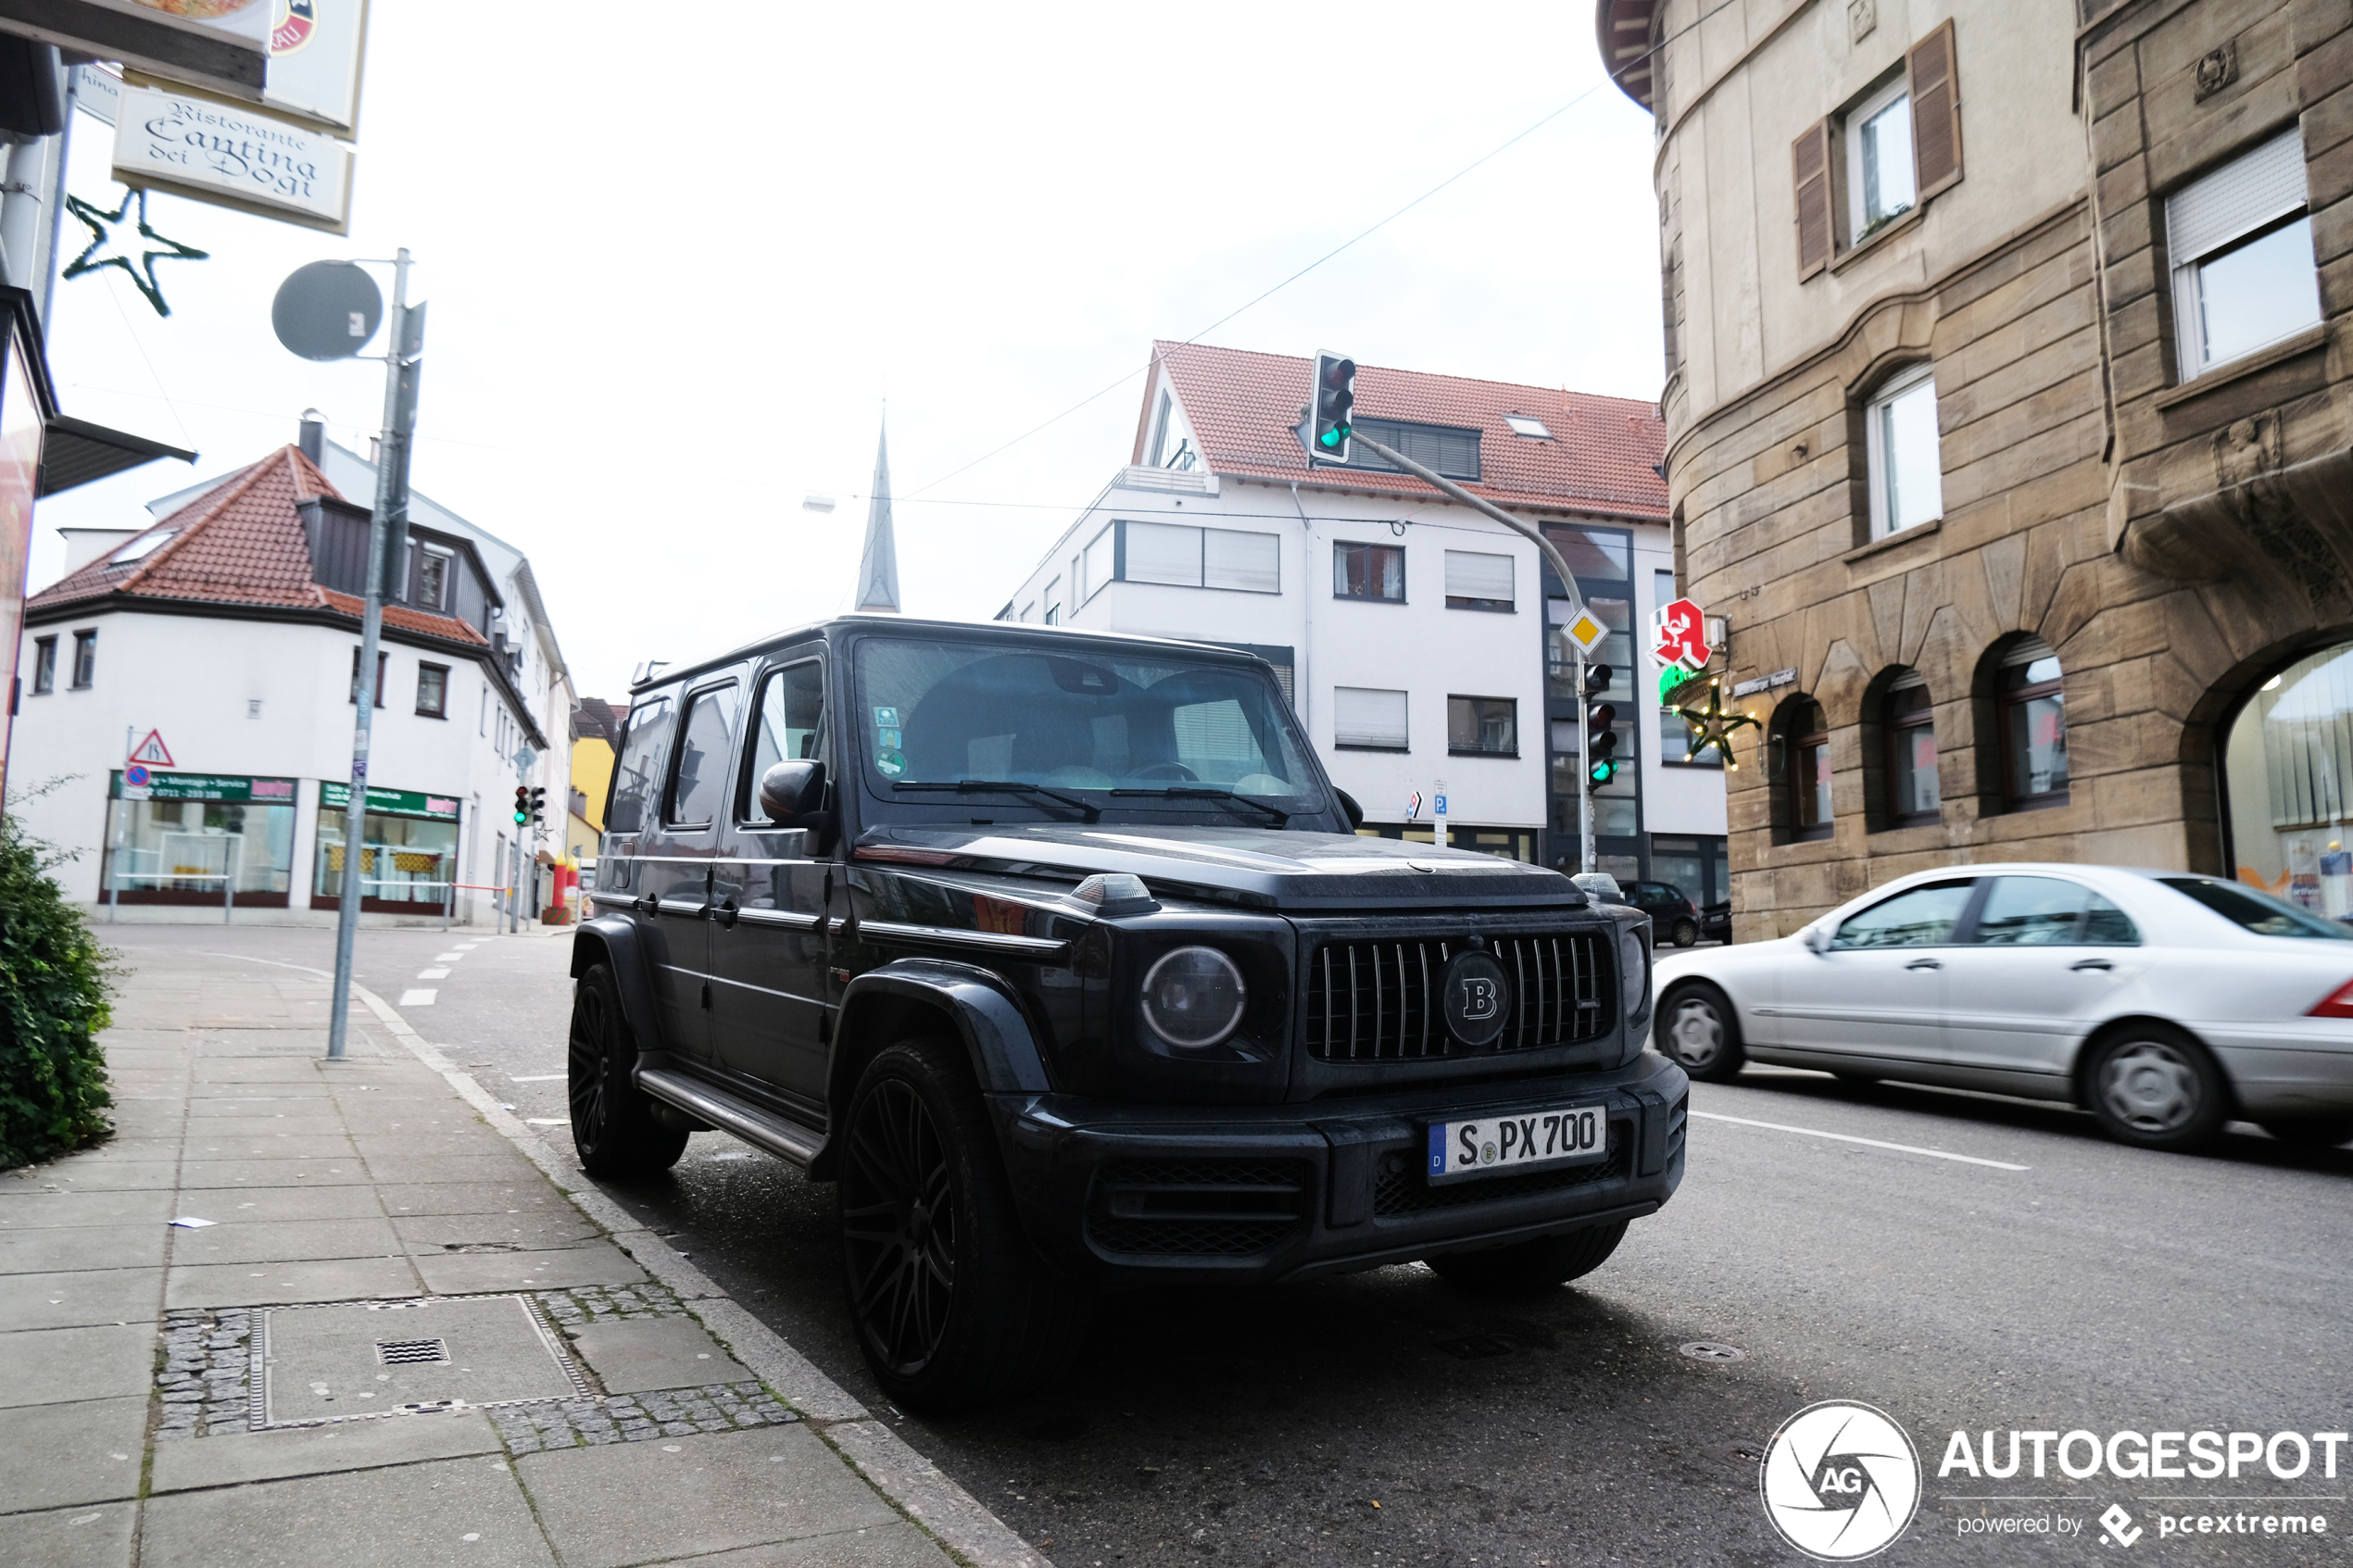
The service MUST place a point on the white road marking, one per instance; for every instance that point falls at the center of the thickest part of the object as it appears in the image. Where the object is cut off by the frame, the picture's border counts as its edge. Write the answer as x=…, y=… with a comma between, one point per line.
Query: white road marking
x=433, y=975
x=415, y=999
x=448, y=957
x=1868, y=1143
x=537, y=1078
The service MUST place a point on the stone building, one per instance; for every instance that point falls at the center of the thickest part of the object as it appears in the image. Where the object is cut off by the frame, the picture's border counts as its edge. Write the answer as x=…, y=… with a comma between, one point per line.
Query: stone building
x=2005, y=427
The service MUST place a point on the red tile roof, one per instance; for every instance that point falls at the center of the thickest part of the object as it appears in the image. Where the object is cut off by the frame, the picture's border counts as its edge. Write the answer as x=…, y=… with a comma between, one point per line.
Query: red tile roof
x=240, y=543
x=1244, y=407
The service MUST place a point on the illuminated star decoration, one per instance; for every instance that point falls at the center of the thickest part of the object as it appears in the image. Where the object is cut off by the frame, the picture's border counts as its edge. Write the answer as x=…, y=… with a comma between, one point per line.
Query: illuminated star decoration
x=1712, y=726
x=137, y=260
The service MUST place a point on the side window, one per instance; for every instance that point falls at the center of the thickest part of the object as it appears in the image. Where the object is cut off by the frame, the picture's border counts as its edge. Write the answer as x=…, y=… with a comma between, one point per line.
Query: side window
x=1925, y=917
x=699, y=777
x=637, y=772
x=2104, y=926
x=788, y=724
x=2032, y=911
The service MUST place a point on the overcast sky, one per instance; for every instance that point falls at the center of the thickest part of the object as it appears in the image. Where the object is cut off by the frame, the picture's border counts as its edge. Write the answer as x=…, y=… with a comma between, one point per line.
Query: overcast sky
x=678, y=257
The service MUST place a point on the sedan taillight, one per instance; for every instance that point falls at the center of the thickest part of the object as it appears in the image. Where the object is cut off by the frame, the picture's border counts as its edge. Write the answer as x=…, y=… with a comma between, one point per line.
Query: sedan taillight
x=2336, y=1004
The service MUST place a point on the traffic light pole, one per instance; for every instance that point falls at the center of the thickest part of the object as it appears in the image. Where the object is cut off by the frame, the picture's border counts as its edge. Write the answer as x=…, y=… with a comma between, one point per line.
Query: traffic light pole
x=387, y=530
x=1576, y=603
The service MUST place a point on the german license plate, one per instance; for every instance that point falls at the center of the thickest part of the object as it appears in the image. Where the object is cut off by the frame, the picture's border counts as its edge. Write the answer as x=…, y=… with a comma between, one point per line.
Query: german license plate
x=1529, y=1140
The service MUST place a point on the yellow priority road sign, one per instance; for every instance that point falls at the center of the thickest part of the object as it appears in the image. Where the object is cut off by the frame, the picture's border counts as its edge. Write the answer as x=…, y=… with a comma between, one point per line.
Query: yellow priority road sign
x=1586, y=631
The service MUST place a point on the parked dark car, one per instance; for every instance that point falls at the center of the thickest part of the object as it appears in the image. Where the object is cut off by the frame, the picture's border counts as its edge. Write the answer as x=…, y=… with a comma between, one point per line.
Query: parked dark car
x=1058, y=955
x=1715, y=921
x=1673, y=915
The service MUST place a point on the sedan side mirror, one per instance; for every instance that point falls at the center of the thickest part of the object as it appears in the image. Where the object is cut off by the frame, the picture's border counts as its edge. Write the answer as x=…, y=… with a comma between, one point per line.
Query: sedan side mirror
x=1817, y=940
x=792, y=792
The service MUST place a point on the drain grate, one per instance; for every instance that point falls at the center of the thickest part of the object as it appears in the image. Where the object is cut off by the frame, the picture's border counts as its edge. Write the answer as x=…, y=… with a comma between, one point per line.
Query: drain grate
x=412, y=1352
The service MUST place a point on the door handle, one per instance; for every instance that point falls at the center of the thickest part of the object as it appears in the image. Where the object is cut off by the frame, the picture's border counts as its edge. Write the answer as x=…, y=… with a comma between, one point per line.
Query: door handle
x=647, y=905
x=1925, y=963
x=2091, y=964
x=725, y=914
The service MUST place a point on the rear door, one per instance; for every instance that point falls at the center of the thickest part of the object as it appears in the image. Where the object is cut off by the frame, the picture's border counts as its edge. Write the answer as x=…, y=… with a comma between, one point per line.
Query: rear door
x=771, y=994
x=674, y=860
x=2042, y=957
x=1880, y=989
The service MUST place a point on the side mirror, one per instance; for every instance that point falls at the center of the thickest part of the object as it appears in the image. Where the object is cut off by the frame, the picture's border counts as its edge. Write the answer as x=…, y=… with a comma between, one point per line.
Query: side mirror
x=1817, y=940
x=1356, y=813
x=791, y=792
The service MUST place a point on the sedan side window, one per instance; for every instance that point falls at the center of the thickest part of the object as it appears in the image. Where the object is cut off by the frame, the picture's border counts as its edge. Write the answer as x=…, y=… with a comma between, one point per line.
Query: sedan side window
x=1923, y=917
x=2030, y=912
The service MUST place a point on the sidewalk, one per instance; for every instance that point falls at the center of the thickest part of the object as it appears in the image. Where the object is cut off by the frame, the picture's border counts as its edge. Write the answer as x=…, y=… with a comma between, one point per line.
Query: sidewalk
x=401, y=1339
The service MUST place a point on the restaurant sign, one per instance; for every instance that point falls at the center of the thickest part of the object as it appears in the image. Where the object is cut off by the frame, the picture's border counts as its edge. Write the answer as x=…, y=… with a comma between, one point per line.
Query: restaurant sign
x=231, y=156
x=335, y=796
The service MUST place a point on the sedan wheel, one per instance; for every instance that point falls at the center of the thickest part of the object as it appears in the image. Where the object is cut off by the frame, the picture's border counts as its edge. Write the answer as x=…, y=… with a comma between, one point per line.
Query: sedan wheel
x=1697, y=1033
x=2159, y=1090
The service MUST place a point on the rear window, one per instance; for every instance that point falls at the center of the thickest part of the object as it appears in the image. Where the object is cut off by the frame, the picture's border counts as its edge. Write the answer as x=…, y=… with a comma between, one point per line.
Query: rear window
x=2258, y=913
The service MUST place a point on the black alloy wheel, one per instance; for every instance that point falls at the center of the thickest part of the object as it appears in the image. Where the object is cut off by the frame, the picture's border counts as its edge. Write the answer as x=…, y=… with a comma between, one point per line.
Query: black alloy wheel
x=1530, y=1266
x=613, y=1126
x=2153, y=1086
x=953, y=1305
x=1697, y=1031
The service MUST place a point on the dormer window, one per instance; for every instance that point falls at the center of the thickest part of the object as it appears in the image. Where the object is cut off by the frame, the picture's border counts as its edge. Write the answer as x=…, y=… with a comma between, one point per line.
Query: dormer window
x=141, y=548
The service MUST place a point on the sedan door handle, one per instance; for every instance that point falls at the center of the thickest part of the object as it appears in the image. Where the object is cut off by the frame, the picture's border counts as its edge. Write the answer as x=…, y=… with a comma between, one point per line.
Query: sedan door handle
x=1925, y=963
x=2091, y=964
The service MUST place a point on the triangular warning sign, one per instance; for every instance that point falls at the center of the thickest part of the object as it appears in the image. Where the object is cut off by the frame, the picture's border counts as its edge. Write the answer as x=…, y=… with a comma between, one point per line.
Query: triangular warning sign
x=152, y=750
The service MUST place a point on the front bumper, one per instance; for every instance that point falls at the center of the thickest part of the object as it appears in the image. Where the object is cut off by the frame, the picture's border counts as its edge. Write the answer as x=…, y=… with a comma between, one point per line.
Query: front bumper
x=1135, y=1193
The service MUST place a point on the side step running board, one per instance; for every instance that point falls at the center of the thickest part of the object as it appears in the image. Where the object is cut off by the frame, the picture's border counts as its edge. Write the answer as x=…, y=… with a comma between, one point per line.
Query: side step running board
x=786, y=1139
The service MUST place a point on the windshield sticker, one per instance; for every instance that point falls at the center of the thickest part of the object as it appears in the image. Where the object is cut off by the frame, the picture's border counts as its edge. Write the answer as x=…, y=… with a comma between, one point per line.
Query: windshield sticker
x=889, y=763
x=886, y=717
x=887, y=739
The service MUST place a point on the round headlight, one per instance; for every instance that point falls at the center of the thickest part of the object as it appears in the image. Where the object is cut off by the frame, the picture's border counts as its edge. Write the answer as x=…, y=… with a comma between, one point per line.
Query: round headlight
x=1193, y=998
x=1634, y=964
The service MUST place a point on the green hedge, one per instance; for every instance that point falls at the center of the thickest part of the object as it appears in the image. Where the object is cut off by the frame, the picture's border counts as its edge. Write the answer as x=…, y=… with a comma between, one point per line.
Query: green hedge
x=53, y=1003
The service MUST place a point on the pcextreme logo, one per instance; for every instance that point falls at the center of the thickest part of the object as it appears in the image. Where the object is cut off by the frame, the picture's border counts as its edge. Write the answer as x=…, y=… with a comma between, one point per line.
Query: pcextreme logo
x=1841, y=1481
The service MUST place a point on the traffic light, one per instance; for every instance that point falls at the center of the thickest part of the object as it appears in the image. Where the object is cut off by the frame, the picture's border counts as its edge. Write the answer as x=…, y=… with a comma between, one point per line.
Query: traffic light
x=1601, y=733
x=1335, y=397
x=538, y=804
x=522, y=806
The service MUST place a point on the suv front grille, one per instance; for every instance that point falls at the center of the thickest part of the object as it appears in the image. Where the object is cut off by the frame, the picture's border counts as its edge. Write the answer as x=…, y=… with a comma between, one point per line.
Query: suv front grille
x=1377, y=1001
x=1198, y=1208
x=1405, y=1192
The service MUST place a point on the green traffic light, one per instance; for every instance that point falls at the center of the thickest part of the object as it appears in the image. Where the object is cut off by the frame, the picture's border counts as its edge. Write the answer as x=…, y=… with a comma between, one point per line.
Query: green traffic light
x=1335, y=435
x=1604, y=772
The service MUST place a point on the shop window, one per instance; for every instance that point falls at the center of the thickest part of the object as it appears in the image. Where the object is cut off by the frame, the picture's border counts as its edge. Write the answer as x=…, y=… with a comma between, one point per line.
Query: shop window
x=2287, y=785
x=1482, y=726
x=406, y=863
x=1368, y=720
x=1369, y=572
x=1900, y=449
x=202, y=852
x=85, y=660
x=1798, y=767
x=380, y=660
x=2031, y=724
x=1475, y=580
x=2240, y=241
x=44, y=666
x=1907, y=725
x=432, y=690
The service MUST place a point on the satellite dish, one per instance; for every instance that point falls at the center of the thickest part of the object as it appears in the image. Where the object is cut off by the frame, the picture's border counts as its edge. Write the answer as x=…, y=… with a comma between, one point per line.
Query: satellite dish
x=327, y=310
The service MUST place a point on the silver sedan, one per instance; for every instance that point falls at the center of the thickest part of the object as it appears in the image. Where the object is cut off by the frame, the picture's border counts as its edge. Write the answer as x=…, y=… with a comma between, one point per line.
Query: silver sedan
x=2165, y=1003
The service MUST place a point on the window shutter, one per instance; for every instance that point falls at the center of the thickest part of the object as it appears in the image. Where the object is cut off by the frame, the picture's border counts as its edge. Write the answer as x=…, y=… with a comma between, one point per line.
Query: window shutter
x=1810, y=163
x=1475, y=576
x=1234, y=559
x=1164, y=552
x=1936, y=112
x=1363, y=717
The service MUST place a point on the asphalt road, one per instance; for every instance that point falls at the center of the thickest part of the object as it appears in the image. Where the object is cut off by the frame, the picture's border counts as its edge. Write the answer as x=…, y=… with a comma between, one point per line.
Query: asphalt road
x=1385, y=1418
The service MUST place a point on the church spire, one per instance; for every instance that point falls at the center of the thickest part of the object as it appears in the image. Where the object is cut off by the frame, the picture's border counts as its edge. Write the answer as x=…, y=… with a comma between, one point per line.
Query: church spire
x=878, y=567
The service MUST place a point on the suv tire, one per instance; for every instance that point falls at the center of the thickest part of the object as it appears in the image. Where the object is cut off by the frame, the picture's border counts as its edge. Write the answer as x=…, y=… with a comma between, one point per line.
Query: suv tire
x=2153, y=1086
x=1697, y=1031
x=613, y=1128
x=952, y=1305
x=1686, y=932
x=1530, y=1266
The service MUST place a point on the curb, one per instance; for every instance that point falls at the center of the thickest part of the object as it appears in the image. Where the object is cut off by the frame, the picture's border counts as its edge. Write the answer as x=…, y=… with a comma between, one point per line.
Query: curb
x=911, y=1483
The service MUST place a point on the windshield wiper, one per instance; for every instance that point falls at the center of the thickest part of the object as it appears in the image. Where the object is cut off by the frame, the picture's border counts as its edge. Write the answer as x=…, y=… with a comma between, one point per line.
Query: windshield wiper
x=1188, y=792
x=1089, y=812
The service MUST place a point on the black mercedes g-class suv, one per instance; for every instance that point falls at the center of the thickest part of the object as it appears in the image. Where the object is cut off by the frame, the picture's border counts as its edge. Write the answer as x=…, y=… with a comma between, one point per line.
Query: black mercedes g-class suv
x=1059, y=955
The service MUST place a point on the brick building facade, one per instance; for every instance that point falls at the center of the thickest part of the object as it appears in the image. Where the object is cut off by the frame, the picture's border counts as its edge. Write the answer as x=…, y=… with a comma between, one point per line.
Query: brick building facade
x=2005, y=429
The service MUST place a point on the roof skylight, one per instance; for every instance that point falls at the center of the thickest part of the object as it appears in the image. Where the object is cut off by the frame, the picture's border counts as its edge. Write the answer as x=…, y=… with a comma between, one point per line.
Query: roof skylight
x=1527, y=425
x=141, y=548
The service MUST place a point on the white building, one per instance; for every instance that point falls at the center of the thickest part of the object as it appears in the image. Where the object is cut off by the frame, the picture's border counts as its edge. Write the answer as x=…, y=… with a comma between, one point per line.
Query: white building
x=1406, y=625
x=230, y=627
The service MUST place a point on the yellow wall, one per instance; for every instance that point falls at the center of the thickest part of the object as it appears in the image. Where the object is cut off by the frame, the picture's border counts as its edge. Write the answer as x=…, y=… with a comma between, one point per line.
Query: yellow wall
x=592, y=776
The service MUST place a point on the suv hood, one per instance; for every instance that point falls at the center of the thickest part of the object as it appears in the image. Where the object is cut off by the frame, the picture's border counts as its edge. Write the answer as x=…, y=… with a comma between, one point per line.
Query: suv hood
x=1264, y=868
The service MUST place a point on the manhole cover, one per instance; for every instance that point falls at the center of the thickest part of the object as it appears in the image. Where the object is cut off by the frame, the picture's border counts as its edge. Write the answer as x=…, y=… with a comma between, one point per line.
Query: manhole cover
x=1708, y=1350
x=379, y=1357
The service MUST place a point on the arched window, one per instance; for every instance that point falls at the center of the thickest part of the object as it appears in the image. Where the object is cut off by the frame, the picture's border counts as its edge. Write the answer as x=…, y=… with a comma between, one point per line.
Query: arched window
x=1908, y=724
x=2032, y=722
x=1799, y=769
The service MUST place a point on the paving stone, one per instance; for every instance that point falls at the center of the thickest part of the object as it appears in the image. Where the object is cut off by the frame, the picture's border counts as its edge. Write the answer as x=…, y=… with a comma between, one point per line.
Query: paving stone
x=243, y=1241
x=456, y=1274
x=633, y=1355
x=62, y=1454
x=347, y=1280
x=395, y=1517
x=71, y=1537
x=67, y=1301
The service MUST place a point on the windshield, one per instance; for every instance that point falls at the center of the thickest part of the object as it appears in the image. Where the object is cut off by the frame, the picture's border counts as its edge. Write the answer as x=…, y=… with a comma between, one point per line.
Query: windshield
x=2258, y=913
x=1110, y=730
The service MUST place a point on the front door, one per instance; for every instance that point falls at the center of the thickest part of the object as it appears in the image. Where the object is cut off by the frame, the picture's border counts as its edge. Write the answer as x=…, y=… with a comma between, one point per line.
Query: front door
x=674, y=870
x=1879, y=991
x=771, y=995
x=2043, y=954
